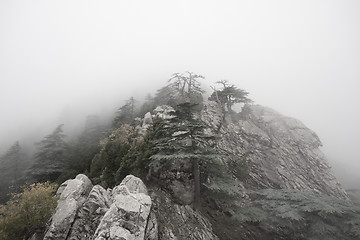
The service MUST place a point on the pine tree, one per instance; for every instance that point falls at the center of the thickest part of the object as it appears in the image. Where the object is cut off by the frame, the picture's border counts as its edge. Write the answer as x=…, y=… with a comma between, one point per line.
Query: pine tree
x=9, y=164
x=187, y=86
x=50, y=158
x=12, y=164
x=184, y=138
x=229, y=95
x=82, y=150
x=126, y=113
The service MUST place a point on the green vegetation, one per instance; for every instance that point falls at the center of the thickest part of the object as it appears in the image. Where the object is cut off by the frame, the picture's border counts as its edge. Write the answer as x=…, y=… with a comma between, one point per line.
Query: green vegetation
x=50, y=157
x=129, y=149
x=125, y=151
x=187, y=86
x=27, y=212
x=184, y=138
x=137, y=160
x=82, y=150
x=229, y=95
x=12, y=165
x=126, y=113
x=113, y=149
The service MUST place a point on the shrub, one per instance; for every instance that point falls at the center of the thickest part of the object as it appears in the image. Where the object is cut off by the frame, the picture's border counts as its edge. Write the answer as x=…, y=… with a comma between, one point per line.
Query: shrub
x=28, y=211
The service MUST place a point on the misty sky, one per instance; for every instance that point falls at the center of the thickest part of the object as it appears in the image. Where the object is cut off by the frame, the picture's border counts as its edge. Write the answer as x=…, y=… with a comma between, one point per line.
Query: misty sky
x=73, y=58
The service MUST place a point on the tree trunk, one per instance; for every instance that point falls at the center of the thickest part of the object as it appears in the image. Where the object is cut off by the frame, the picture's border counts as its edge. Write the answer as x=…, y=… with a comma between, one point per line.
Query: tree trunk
x=189, y=84
x=196, y=172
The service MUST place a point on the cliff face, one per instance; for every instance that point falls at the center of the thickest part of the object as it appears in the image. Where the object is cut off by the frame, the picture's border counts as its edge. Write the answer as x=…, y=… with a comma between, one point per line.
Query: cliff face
x=277, y=151
x=259, y=148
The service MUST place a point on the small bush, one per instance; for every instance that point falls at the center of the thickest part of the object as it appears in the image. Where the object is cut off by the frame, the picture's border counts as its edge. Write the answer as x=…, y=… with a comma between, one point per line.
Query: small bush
x=28, y=211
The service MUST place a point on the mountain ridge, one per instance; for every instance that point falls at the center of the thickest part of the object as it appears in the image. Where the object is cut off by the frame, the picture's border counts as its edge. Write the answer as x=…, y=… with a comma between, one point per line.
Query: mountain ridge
x=267, y=159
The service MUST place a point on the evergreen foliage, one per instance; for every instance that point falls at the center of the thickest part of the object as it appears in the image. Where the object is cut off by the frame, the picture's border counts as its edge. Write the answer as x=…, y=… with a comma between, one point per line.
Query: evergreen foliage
x=186, y=84
x=105, y=164
x=183, y=137
x=126, y=113
x=82, y=150
x=27, y=212
x=137, y=160
x=148, y=106
x=182, y=87
x=12, y=165
x=229, y=95
x=166, y=96
x=50, y=158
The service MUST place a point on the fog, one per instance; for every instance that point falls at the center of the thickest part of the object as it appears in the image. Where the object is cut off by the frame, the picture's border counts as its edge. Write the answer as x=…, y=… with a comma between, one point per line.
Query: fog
x=63, y=60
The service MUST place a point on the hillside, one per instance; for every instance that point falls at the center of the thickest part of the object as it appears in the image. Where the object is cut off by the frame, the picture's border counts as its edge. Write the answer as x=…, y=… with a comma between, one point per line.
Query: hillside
x=272, y=174
x=180, y=167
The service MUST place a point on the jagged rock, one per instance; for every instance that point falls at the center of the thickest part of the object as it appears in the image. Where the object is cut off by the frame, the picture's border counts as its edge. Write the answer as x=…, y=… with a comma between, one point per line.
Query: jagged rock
x=71, y=199
x=90, y=214
x=176, y=177
x=179, y=221
x=86, y=212
x=163, y=111
x=152, y=227
x=277, y=151
x=133, y=184
x=127, y=217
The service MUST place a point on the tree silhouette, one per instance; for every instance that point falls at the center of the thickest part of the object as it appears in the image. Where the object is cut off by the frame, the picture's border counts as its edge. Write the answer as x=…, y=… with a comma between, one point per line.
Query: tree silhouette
x=12, y=165
x=187, y=85
x=229, y=95
x=184, y=138
x=50, y=158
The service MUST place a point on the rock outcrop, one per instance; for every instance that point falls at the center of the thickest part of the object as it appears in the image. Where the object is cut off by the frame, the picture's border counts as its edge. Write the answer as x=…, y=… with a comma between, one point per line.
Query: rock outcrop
x=260, y=149
x=128, y=215
x=178, y=221
x=87, y=212
x=277, y=152
x=73, y=193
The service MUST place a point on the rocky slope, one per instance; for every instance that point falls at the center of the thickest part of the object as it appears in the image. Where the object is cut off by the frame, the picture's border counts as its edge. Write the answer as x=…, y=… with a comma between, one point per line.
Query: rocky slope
x=126, y=212
x=277, y=151
x=259, y=148
x=85, y=211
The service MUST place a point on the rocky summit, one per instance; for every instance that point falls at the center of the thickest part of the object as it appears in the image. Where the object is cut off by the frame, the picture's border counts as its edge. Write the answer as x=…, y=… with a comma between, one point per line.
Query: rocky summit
x=277, y=151
x=270, y=181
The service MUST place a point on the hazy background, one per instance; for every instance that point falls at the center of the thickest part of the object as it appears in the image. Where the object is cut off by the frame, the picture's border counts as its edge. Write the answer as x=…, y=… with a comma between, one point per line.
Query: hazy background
x=62, y=60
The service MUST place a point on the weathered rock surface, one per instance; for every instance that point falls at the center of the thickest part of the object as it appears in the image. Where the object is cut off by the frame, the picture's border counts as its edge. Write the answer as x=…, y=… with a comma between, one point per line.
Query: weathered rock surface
x=90, y=214
x=163, y=112
x=73, y=194
x=87, y=212
x=175, y=176
x=277, y=151
x=128, y=215
x=179, y=222
x=261, y=148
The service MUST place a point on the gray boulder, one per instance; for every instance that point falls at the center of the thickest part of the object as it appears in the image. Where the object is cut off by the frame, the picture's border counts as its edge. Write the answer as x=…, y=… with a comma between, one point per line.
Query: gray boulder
x=73, y=195
x=90, y=214
x=128, y=215
x=87, y=212
x=163, y=111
